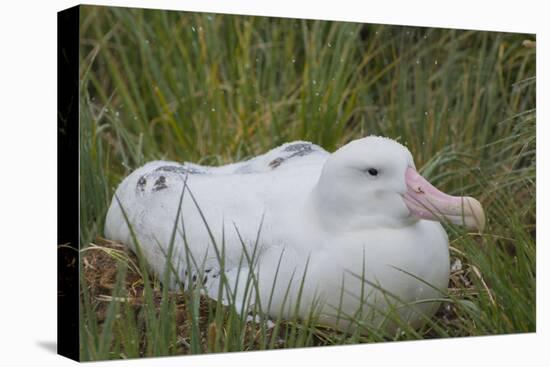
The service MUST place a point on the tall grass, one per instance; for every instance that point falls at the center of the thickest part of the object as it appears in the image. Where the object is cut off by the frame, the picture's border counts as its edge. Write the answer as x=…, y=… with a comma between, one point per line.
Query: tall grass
x=216, y=89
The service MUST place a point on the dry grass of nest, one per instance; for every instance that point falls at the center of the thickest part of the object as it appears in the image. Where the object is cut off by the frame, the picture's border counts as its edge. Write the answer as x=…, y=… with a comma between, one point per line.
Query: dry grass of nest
x=100, y=266
x=461, y=286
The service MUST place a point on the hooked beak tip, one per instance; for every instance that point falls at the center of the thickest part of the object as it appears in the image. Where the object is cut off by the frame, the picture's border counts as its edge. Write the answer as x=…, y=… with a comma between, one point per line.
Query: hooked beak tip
x=474, y=215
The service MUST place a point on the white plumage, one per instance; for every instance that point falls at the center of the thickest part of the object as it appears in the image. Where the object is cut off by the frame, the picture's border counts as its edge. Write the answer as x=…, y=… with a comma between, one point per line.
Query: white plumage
x=354, y=222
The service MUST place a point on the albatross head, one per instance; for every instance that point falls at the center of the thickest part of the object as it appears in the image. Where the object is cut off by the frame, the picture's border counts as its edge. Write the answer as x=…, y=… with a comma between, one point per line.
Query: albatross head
x=373, y=182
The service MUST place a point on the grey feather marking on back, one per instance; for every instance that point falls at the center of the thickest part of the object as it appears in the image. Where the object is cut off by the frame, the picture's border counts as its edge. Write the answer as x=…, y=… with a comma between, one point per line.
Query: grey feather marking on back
x=299, y=149
x=162, y=177
x=276, y=162
x=160, y=184
x=296, y=150
x=181, y=170
x=142, y=182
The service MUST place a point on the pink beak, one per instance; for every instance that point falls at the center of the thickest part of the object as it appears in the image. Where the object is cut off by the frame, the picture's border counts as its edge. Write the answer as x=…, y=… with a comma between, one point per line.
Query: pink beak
x=427, y=202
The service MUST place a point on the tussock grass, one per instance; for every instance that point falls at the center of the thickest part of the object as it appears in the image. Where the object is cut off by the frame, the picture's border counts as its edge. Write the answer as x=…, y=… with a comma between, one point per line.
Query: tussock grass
x=216, y=89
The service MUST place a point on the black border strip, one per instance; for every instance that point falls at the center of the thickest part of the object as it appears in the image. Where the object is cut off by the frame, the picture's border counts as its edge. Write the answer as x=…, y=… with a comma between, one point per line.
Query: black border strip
x=68, y=31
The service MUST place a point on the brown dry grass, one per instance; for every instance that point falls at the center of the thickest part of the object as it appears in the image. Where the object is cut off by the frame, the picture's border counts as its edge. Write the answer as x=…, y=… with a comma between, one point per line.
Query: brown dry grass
x=100, y=267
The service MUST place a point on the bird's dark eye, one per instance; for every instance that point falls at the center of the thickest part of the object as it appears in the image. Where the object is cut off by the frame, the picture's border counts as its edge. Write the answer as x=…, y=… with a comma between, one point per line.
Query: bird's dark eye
x=373, y=171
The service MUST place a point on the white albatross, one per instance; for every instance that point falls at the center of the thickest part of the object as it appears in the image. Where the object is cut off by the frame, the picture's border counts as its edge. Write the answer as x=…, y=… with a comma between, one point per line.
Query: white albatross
x=355, y=233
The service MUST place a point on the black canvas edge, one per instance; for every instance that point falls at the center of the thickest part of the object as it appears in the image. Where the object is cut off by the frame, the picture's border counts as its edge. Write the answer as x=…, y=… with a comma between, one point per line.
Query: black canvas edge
x=68, y=341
